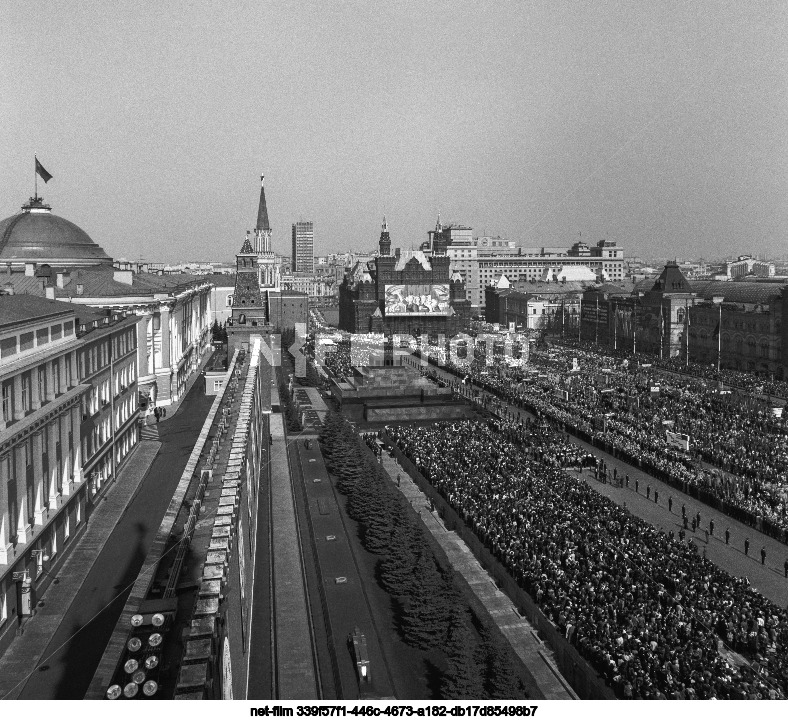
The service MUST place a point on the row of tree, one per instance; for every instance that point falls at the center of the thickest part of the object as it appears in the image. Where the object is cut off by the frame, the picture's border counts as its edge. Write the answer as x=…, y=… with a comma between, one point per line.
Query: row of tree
x=218, y=332
x=432, y=611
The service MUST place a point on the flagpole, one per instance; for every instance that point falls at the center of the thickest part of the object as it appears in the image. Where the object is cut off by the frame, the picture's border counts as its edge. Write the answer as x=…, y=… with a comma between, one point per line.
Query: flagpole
x=35, y=176
x=615, y=327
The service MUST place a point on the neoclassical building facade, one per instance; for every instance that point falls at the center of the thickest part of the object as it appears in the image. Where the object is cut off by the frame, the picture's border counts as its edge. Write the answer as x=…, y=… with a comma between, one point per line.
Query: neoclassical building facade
x=46, y=255
x=68, y=425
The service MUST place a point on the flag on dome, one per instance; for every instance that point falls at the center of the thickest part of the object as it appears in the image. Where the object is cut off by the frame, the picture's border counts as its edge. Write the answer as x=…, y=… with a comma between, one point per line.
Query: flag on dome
x=43, y=174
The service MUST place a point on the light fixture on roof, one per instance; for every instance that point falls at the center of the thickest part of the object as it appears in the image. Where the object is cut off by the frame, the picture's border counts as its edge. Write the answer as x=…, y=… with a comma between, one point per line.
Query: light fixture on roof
x=150, y=688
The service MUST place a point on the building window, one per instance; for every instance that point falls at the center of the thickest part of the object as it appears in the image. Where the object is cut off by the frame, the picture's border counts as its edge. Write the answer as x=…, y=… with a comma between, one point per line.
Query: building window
x=7, y=347
x=66, y=527
x=8, y=402
x=42, y=336
x=26, y=392
x=42, y=385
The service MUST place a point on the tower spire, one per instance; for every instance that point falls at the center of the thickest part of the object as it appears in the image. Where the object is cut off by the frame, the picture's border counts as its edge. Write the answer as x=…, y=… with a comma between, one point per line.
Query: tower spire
x=262, y=231
x=385, y=239
x=262, y=208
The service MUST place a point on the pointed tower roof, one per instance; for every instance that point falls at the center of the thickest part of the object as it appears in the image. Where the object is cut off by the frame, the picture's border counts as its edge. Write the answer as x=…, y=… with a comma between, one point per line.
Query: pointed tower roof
x=262, y=209
x=246, y=248
x=672, y=280
x=385, y=239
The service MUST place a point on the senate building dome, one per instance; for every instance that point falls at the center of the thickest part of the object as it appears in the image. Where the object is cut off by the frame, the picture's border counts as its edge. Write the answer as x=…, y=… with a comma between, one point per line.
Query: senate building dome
x=37, y=235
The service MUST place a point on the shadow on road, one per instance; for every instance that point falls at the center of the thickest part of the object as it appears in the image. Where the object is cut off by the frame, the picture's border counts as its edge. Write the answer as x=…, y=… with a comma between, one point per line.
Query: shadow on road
x=77, y=647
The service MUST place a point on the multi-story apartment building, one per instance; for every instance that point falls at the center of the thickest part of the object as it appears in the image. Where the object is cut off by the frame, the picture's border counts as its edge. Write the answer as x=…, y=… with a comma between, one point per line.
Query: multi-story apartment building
x=69, y=408
x=108, y=362
x=303, y=261
x=481, y=266
x=555, y=313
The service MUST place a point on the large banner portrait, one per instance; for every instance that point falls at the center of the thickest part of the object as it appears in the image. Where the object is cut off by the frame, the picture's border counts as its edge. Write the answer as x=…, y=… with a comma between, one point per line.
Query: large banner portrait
x=417, y=299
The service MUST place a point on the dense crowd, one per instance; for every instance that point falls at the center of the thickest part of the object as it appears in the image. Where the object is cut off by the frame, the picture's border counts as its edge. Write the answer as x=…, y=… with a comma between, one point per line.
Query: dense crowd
x=739, y=450
x=338, y=362
x=642, y=607
x=707, y=372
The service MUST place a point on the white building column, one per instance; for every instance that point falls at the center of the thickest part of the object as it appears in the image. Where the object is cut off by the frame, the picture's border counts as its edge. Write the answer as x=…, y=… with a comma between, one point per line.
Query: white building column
x=22, y=528
x=5, y=477
x=38, y=479
x=34, y=389
x=65, y=459
x=19, y=410
x=76, y=459
x=61, y=361
x=51, y=391
x=54, y=465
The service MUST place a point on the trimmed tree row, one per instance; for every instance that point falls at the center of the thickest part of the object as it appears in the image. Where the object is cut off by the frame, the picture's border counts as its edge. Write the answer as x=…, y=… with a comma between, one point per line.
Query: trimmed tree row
x=433, y=613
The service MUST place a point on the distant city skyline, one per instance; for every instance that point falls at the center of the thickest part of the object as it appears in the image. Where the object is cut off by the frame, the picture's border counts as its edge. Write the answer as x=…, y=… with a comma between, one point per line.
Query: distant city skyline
x=660, y=127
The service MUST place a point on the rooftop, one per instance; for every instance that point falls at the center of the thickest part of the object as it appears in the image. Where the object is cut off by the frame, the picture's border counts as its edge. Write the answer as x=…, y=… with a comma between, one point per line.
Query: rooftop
x=36, y=234
x=99, y=281
x=19, y=308
x=739, y=292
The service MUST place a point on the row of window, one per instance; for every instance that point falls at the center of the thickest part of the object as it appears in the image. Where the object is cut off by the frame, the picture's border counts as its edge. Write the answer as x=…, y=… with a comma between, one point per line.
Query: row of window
x=59, y=538
x=33, y=339
x=124, y=410
x=35, y=386
x=102, y=471
x=10, y=470
x=125, y=377
x=96, y=438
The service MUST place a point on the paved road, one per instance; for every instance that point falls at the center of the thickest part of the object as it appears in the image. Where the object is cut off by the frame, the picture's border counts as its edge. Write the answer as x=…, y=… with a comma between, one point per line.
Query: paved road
x=769, y=578
x=76, y=648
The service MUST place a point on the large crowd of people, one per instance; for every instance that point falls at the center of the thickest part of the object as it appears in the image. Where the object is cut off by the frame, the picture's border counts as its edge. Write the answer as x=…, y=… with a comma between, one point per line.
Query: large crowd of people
x=644, y=608
x=738, y=450
x=708, y=372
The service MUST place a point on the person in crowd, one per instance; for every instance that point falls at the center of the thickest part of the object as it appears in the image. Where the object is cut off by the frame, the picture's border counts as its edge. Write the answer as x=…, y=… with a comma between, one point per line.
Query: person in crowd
x=743, y=447
x=646, y=609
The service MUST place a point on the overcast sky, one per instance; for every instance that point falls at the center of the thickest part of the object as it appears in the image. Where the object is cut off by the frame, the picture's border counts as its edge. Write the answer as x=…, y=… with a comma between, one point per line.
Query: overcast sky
x=660, y=125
